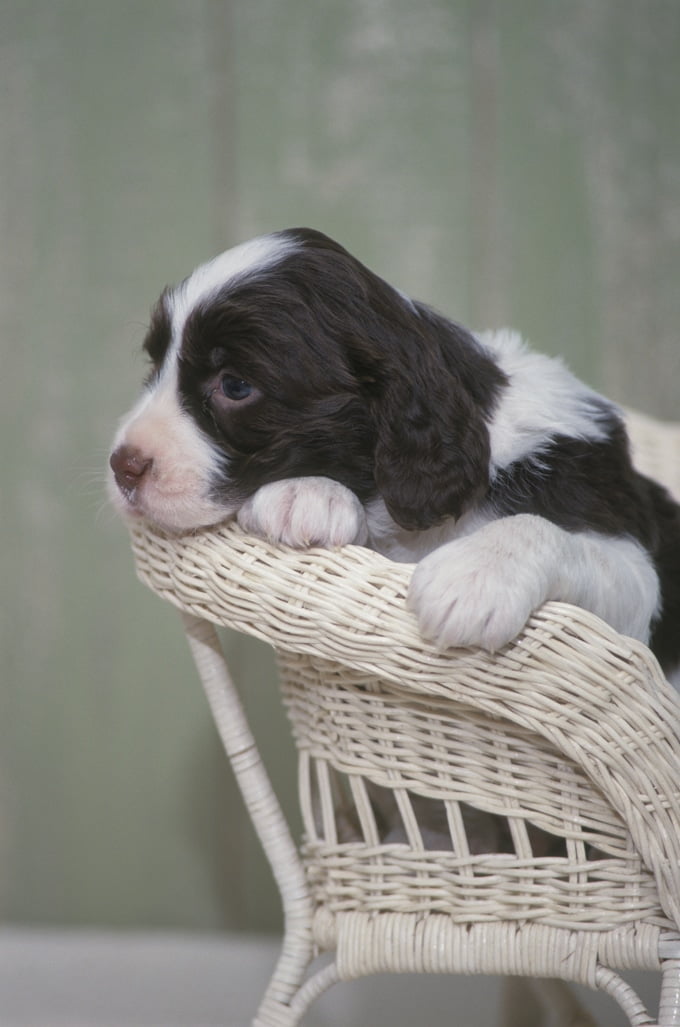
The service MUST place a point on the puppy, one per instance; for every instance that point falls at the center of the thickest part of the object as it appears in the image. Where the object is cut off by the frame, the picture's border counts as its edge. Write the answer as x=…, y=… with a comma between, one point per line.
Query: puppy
x=294, y=389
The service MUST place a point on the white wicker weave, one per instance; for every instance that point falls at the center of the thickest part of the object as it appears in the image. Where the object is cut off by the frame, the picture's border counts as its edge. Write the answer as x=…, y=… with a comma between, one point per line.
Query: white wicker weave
x=570, y=736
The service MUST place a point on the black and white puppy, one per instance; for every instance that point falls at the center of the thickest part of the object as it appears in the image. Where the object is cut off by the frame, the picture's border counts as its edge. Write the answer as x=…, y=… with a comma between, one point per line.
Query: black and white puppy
x=294, y=389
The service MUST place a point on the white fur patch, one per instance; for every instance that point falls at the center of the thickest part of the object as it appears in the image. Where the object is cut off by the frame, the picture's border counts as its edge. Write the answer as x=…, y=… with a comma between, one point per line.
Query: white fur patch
x=480, y=590
x=543, y=399
x=247, y=258
x=175, y=492
x=303, y=512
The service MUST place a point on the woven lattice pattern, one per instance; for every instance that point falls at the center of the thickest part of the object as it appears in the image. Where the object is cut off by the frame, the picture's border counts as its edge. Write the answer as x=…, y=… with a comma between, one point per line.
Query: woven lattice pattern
x=597, y=700
x=513, y=813
x=417, y=842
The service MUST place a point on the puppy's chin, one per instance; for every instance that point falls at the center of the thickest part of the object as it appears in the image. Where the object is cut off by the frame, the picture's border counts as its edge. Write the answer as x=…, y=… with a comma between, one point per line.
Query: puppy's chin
x=172, y=525
x=177, y=515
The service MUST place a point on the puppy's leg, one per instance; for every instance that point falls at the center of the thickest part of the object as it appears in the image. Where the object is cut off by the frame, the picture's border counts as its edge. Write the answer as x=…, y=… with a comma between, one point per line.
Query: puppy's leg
x=480, y=590
x=303, y=512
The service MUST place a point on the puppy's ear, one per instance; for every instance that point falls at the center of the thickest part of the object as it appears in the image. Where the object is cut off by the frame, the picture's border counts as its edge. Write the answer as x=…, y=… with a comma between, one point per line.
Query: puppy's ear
x=432, y=448
x=430, y=386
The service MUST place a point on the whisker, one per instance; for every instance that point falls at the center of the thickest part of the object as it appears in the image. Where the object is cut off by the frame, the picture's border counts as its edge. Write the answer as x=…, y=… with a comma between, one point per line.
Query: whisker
x=88, y=481
x=108, y=511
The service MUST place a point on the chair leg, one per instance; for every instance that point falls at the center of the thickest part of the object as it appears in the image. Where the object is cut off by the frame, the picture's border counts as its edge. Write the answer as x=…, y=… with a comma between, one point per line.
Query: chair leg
x=273, y=1013
x=265, y=814
x=627, y=998
x=669, y=1003
x=321, y=981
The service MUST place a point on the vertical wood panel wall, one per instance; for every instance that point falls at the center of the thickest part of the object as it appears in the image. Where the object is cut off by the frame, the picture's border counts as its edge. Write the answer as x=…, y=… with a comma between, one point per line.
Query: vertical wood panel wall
x=511, y=163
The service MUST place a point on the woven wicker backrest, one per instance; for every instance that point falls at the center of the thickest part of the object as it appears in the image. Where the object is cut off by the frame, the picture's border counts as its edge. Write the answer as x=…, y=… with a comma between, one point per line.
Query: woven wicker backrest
x=536, y=789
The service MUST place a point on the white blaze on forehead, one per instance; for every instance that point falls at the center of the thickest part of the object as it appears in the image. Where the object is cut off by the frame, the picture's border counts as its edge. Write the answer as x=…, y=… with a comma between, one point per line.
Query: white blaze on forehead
x=205, y=281
x=247, y=258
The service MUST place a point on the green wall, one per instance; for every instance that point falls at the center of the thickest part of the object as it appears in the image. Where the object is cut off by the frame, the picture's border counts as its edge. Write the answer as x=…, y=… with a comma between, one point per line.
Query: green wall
x=513, y=163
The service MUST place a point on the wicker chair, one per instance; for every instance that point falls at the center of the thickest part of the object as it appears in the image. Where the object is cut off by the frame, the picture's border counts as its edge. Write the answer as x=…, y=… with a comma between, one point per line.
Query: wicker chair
x=570, y=734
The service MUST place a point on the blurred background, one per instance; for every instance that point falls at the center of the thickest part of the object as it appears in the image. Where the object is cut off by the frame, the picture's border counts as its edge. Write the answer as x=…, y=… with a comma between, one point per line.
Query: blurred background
x=512, y=163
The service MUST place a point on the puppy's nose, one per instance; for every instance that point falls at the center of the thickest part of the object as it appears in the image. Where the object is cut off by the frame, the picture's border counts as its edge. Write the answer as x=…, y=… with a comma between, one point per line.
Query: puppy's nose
x=129, y=466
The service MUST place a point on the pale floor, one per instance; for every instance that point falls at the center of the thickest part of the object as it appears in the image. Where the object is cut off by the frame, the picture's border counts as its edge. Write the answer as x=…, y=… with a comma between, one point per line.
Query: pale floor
x=85, y=979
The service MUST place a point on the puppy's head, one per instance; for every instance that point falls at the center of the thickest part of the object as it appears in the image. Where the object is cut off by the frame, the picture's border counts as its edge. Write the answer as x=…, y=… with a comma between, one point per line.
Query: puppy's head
x=285, y=357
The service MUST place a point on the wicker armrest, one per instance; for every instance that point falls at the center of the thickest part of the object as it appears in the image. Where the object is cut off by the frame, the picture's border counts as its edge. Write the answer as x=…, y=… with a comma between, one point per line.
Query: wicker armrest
x=597, y=697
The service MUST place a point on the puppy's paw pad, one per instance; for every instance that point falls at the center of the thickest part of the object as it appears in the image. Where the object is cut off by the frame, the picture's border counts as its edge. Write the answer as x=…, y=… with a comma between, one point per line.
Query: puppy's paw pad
x=304, y=512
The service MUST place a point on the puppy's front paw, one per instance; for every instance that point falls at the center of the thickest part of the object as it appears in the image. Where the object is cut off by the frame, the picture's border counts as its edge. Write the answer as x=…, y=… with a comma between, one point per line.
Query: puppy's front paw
x=304, y=512
x=476, y=591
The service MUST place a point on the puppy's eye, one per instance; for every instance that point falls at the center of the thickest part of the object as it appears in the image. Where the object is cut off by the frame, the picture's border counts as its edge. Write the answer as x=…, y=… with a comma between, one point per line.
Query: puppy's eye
x=235, y=388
